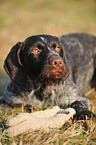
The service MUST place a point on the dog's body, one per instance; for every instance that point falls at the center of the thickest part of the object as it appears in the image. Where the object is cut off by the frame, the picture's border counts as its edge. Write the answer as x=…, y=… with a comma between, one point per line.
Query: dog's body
x=39, y=71
x=80, y=50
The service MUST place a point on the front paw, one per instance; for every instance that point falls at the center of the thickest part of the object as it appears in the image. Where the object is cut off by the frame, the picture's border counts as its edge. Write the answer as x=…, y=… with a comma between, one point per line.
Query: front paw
x=84, y=114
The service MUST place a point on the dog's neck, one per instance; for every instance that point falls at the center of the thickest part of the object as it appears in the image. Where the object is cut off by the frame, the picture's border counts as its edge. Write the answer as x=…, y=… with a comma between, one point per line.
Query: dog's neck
x=41, y=90
x=36, y=91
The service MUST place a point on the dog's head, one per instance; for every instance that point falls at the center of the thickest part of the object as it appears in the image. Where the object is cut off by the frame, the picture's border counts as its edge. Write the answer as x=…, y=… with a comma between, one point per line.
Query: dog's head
x=40, y=57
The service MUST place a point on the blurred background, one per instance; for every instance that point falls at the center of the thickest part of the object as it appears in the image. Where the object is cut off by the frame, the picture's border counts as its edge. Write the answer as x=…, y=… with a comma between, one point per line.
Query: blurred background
x=22, y=18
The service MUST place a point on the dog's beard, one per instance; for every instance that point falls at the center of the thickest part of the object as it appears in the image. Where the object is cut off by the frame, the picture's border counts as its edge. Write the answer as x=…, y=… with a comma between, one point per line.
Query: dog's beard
x=53, y=76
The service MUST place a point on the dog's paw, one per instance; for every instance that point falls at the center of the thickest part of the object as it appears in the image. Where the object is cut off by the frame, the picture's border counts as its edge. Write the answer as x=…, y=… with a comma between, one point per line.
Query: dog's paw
x=83, y=115
x=82, y=112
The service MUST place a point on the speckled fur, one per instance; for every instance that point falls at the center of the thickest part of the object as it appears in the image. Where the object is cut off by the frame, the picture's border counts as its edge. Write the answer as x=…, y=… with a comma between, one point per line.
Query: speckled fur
x=80, y=52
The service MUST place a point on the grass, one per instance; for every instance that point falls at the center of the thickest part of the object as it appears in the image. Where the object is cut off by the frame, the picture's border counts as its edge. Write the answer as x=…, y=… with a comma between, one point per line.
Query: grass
x=81, y=132
x=72, y=132
x=20, y=19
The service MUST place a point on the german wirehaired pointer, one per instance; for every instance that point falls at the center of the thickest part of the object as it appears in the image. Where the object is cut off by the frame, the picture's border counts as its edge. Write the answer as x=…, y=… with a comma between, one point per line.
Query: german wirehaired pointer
x=41, y=73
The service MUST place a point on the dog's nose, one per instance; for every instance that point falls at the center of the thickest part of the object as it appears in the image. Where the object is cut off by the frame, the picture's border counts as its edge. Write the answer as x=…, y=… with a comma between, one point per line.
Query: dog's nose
x=56, y=61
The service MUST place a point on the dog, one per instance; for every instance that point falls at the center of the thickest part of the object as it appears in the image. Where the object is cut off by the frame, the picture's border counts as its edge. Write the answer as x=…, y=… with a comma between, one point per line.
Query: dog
x=46, y=70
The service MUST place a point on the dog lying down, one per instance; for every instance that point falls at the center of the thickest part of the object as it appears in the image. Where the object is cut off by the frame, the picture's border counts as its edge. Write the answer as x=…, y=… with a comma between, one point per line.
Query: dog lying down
x=47, y=70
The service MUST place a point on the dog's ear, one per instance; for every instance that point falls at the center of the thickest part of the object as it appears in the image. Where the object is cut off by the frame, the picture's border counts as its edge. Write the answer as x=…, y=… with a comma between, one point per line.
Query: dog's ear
x=13, y=65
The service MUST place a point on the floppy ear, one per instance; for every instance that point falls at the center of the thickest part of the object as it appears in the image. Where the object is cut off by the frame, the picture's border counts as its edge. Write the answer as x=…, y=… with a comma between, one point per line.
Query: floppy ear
x=13, y=65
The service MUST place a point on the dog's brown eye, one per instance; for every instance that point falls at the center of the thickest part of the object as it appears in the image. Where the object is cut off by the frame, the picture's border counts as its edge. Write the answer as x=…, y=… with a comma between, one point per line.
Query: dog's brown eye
x=35, y=51
x=57, y=48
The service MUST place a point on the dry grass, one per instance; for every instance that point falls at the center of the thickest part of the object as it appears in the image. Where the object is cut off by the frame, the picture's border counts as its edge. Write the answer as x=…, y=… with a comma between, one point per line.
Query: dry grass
x=82, y=132
x=73, y=132
x=20, y=19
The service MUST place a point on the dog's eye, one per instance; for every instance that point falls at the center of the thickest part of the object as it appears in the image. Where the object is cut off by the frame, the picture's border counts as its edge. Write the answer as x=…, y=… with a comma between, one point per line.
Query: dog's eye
x=35, y=51
x=57, y=48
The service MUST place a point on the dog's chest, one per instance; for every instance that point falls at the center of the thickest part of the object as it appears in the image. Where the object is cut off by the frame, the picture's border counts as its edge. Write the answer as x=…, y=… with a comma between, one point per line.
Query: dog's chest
x=51, y=95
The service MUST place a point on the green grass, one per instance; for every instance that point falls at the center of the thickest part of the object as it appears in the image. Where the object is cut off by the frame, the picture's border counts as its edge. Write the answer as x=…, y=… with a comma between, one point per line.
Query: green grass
x=22, y=18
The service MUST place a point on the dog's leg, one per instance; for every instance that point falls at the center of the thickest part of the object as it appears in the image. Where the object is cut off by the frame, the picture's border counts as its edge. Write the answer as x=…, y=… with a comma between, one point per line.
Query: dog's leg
x=76, y=100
